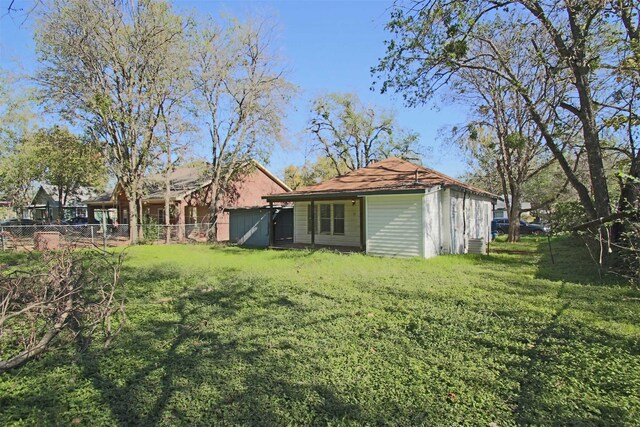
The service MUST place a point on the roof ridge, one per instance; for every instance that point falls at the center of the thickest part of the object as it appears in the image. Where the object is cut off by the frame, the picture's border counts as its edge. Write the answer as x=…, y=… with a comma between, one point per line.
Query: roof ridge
x=389, y=173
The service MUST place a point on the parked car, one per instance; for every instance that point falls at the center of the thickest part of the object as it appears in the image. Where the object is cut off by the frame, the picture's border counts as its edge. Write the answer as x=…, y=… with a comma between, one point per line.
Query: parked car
x=20, y=227
x=501, y=226
x=77, y=220
x=18, y=221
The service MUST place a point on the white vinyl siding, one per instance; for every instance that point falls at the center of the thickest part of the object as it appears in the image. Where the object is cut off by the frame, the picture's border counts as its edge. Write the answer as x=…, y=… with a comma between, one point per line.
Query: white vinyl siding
x=395, y=225
x=351, y=236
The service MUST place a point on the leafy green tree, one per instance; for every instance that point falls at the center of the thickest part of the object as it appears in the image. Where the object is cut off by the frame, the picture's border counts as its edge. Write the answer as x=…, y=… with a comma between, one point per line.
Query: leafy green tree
x=501, y=133
x=17, y=117
x=576, y=44
x=67, y=162
x=353, y=135
x=310, y=173
x=111, y=64
x=18, y=171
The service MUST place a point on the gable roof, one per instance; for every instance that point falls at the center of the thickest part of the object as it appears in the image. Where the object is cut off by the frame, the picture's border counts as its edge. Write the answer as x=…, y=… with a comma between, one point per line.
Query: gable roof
x=182, y=181
x=45, y=196
x=387, y=176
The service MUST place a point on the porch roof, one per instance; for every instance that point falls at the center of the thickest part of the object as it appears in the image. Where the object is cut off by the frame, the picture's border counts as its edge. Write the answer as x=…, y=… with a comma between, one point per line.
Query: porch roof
x=390, y=176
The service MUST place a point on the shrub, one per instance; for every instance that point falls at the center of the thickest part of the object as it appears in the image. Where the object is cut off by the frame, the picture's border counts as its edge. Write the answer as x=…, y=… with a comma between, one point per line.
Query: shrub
x=566, y=215
x=626, y=260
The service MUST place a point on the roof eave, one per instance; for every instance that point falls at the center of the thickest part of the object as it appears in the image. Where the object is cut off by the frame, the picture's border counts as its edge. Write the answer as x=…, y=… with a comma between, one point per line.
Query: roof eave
x=470, y=190
x=338, y=194
x=269, y=174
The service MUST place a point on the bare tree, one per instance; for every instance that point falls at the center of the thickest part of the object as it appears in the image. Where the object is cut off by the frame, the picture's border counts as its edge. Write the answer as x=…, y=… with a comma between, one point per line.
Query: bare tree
x=111, y=65
x=353, y=135
x=240, y=94
x=502, y=132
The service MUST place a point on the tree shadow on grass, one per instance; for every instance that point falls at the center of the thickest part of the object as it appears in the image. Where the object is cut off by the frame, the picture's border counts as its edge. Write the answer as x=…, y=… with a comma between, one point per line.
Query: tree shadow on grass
x=503, y=261
x=555, y=361
x=212, y=358
x=569, y=260
x=567, y=371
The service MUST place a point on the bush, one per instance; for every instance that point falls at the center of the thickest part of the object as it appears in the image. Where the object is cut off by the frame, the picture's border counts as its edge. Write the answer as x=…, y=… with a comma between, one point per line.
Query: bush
x=626, y=260
x=566, y=215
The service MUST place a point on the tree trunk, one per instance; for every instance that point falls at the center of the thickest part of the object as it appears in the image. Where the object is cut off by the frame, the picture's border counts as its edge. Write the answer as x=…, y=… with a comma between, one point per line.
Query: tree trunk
x=141, y=218
x=628, y=202
x=167, y=219
x=514, y=218
x=60, y=204
x=214, y=209
x=167, y=183
x=592, y=145
x=133, y=218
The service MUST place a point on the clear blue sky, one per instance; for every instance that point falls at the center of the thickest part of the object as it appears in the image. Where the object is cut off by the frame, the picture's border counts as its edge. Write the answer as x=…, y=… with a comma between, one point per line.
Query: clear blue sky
x=329, y=46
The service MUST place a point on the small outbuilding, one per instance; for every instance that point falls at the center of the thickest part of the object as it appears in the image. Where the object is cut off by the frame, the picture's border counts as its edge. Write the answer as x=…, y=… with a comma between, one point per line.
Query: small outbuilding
x=250, y=226
x=392, y=208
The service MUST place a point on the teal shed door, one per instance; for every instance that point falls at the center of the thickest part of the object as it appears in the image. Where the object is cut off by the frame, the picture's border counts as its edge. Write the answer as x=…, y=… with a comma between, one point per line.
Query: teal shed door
x=249, y=227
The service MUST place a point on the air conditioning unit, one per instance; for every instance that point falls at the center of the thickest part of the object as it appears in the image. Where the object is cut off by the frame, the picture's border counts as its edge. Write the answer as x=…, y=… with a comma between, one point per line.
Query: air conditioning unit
x=477, y=246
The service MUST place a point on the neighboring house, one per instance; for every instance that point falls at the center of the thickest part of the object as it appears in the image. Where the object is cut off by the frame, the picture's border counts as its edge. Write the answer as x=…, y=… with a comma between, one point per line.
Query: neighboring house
x=5, y=210
x=190, y=197
x=45, y=207
x=500, y=209
x=393, y=208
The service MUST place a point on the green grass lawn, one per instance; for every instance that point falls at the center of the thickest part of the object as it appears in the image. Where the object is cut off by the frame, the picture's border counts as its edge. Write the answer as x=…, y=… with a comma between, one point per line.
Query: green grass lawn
x=227, y=336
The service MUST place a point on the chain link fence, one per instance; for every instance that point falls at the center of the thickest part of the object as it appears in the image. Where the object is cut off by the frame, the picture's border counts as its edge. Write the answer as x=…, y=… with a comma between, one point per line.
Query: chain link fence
x=54, y=236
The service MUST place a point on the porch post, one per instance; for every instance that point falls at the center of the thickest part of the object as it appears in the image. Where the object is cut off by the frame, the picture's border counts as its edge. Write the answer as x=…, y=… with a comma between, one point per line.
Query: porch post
x=271, y=231
x=363, y=243
x=313, y=224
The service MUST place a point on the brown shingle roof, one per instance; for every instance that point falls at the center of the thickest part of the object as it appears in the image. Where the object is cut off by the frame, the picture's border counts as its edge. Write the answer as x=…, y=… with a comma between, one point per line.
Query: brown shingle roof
x=392, y=174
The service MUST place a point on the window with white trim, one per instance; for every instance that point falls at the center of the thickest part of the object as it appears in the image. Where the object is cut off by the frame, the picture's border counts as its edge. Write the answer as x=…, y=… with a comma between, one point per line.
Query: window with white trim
x=329, y=218
x=338, y=219
x=325, y=219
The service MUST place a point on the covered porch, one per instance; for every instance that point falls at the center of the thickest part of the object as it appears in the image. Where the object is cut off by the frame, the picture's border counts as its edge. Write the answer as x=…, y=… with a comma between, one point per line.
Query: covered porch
x=333, y=222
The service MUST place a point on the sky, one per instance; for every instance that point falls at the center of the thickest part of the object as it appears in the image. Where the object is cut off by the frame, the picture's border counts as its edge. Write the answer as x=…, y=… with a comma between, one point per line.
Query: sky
x=328, y=46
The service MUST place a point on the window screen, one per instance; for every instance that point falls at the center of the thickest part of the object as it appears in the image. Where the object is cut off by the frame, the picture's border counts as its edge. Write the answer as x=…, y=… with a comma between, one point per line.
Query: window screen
x=325, y=218
x=338, y=219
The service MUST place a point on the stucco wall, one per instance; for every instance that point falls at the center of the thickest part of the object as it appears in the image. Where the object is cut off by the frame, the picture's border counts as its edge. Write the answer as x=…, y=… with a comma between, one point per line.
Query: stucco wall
x=432, y=223
x=476, y=222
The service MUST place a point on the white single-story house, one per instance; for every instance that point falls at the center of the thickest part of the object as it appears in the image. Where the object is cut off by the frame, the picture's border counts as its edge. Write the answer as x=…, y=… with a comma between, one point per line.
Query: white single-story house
x=392, y=208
